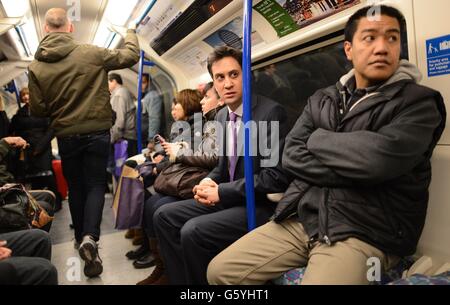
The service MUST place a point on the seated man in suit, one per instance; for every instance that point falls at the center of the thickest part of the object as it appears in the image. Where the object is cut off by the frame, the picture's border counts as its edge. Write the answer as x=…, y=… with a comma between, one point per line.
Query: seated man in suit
x=192, y=232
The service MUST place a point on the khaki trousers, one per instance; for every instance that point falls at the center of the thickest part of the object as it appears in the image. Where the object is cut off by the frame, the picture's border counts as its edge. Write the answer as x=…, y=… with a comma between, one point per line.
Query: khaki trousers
x=273, y=249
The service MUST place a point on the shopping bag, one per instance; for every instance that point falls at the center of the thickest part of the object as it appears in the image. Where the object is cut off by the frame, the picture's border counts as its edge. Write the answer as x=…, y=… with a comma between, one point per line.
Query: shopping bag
x=128, y=202
x=120, y=156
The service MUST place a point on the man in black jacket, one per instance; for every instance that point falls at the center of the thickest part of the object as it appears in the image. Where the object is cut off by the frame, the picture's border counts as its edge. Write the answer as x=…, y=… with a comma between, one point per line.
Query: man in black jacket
x=192, y=232
x=360, y=154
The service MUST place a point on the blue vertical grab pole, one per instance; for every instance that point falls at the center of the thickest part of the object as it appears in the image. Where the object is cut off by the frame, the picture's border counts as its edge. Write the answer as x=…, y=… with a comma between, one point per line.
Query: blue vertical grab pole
x=247, y=101
x=16, y=91
x=139, y=105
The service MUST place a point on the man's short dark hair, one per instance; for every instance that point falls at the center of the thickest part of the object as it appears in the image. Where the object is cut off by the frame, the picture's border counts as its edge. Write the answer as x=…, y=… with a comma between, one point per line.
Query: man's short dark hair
x=352, y=24
x=222, y=52
x=116, y=77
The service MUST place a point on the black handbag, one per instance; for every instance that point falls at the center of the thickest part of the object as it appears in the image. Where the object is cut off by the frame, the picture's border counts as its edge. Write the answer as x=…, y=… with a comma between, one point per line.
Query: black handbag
x=14, y=207
x=19, y=210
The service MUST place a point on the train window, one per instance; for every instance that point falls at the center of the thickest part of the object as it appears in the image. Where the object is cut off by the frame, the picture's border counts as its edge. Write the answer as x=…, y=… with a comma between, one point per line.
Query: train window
x=291, y=82
x=167, y=89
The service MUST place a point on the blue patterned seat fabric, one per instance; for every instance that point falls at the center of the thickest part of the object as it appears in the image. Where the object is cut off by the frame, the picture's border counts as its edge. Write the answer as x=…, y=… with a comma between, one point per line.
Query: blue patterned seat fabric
x=419, y=279
x=295, y=277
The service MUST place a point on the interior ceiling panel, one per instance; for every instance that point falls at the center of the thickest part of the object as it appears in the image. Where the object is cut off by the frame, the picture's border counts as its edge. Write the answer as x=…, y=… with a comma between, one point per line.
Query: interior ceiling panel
x=8, y=23
x=10, y=70
x=91, y=12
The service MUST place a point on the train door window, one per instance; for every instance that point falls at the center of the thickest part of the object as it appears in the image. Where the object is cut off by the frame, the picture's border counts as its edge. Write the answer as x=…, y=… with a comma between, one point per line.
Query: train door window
x=292, y=81
x=166, y=88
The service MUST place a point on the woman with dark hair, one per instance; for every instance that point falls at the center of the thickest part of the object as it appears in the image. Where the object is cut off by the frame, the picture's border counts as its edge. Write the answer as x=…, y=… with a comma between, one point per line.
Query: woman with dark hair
x=36, y=164
x=205, y=156
x=186, y=105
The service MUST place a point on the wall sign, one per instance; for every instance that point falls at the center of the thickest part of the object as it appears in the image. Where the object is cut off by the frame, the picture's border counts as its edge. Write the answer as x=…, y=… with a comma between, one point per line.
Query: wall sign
x=438, y=56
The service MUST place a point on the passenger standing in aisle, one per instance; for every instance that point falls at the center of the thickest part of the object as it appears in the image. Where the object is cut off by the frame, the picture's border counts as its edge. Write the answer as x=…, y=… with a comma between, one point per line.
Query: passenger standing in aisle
x=153, y=105
x=122, y=103
x=69, y=84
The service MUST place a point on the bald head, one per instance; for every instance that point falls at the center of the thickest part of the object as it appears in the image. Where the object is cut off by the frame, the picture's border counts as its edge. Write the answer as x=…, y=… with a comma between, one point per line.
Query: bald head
x=56, y=20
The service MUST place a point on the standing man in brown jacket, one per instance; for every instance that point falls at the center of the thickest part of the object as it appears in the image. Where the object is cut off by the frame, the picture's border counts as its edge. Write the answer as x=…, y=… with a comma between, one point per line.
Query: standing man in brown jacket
x=69, y=84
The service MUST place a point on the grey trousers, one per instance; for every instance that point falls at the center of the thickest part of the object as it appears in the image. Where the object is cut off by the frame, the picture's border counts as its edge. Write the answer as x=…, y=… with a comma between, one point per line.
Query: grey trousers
x=30, y=262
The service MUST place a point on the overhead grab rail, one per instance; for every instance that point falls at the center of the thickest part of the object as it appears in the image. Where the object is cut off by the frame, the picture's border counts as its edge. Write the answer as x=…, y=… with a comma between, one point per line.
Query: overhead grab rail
x=146, y=12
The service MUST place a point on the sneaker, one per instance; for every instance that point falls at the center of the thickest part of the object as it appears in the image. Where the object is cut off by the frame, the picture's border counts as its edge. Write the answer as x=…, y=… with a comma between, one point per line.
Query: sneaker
x=89, y=253
x=93, y=268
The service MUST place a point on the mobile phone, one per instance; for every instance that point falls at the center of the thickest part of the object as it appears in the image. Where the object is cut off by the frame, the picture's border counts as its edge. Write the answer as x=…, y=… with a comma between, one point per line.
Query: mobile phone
x=159, y=139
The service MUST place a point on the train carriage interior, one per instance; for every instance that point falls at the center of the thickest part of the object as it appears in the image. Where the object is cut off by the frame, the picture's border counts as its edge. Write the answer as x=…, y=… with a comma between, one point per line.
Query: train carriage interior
x=288, y=65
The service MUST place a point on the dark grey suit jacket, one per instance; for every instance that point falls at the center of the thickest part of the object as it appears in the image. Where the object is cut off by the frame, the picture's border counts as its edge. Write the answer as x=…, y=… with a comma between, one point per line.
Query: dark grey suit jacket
x=267, y=179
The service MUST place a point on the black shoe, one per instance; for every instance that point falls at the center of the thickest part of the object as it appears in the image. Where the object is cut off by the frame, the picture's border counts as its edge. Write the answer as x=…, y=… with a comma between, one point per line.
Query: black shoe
x=145, y=262
x=139, y=253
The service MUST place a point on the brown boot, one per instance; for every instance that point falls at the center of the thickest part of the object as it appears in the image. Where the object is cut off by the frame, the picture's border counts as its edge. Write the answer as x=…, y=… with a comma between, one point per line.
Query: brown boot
x=138, y=237
x=158, y=272
x=162, y=281
x=129, y=234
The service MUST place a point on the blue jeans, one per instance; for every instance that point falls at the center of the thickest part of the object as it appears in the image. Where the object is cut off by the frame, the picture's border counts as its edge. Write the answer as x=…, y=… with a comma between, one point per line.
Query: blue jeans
x=84, y=161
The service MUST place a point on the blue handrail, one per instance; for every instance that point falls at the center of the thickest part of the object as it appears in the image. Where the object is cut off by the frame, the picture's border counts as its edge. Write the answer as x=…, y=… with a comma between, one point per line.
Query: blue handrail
x=142, y=64
x=12, y=88
x=149, y=8
x=247, y=101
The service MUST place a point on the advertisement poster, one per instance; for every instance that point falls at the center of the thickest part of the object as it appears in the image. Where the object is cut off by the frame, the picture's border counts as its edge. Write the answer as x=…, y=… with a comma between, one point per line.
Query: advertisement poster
x=195, y=59
x=287, y=16
x=231, y=35
x=161, y=17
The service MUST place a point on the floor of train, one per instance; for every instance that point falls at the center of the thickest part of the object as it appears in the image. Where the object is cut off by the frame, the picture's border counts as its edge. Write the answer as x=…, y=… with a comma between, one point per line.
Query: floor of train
x=117, y=269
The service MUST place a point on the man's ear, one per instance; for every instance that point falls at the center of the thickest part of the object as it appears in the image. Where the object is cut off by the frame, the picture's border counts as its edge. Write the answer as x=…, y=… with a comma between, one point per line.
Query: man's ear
x=46, y=29
x=348, y=48
x=71, y=28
